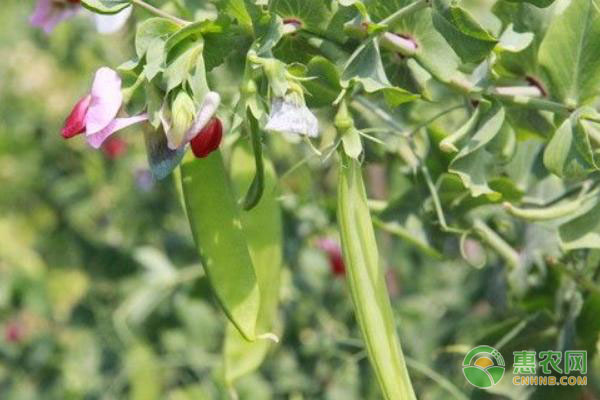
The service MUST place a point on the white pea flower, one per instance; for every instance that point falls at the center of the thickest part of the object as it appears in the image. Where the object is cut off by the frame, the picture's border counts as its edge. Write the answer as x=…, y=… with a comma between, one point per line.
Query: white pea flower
x=290, y=116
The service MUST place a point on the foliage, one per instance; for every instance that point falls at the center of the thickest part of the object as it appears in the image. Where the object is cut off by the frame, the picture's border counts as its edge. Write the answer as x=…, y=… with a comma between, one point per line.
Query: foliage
x=474, y=125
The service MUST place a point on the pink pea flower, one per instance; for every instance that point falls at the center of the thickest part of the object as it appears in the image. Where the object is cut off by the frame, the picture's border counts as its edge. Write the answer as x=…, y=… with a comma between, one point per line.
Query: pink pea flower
x=96, y=113
x=49, y=13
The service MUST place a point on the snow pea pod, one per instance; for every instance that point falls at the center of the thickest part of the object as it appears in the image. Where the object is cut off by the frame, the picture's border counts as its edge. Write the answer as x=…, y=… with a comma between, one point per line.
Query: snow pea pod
x=220, y=240
x=263, y=228
x=367, y=284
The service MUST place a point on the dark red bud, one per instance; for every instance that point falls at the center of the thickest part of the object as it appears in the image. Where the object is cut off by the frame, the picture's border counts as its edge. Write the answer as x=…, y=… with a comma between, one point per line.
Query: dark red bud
x=334, y=254
x=75, y=122
x=208, y=139
x=114, y=147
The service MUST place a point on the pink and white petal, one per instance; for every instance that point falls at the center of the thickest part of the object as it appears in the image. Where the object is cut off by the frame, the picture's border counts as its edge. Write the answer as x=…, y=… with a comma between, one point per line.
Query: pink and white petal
x=107, y=24
x=106, y=100
x=95, y=140
x=48, y=14
x=208, y=108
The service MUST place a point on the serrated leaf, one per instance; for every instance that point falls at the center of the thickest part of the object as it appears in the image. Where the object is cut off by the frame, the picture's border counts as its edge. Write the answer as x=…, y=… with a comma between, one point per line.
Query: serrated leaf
x=106, y=6
x=471, y=163
x=570, y=53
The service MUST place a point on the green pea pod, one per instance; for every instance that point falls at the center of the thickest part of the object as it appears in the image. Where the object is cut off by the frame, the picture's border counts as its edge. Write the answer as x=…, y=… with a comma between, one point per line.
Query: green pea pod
x=217, y=230
x=367, y=284
x=263, y=228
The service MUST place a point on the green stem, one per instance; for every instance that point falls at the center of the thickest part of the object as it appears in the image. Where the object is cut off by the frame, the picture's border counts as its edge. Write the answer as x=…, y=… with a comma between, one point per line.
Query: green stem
x=530, y=102
x=404, y=11
x=494, y=240
x=158, y=12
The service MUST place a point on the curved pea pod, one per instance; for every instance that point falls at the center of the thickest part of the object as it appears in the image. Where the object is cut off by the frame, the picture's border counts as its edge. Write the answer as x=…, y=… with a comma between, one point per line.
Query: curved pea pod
x=367, y=284
x=217, y=230
x=263, y=228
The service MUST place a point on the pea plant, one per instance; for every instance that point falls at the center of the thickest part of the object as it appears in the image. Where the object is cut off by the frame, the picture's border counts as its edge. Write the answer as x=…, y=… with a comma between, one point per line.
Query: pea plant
x=486, y=112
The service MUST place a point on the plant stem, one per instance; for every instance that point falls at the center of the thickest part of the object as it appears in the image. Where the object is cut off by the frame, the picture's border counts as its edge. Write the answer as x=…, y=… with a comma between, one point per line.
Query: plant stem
x=404, y=11
x=530, y=102
x=159, y=12
x=497, y=243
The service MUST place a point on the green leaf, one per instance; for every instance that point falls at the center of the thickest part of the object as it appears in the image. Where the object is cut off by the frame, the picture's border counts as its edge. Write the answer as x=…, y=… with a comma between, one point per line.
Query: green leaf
x=432, y=47
x=570, y=53
x=582, y=232
x=325, y=87
x=569, y=154
x=178, y=69
x=314, y=15
x=467, y=37
x=365, y=66
x=106, y=6
x=220, y=240
x=367, y=284
x=150, y=30
x=263, y=229
x=155, y=58
x=471, y=163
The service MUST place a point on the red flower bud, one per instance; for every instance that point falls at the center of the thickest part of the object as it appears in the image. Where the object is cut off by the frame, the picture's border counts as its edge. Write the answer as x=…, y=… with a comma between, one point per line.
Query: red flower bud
x=14, y=331
x=334, y=253
x=208, y=139
x=114, y=147
x=75, y=122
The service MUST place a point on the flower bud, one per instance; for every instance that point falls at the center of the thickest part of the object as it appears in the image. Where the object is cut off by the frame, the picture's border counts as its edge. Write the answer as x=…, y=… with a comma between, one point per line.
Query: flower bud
x=183, y=112
x=208, y=139
x=75, y=122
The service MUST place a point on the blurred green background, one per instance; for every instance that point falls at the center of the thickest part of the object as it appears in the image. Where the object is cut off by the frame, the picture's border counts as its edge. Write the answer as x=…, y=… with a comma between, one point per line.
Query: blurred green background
x=102, y=296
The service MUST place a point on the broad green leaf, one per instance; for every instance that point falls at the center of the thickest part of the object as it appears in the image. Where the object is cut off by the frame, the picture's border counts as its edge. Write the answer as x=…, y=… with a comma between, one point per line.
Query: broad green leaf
x=471, y=163
x=365, y=66
x=513, y=41
x=150, y=30
x=432, y=47
x=583, y=232
x=467, y=37
x=243, y=11
x=263, y=229
x=314, y=15
x=220, y=239
x=367, y=284
x=178, y=69
x=570, y=53
x=325, y=87
x=155, y=58
x=569, y=154
x=106, y=6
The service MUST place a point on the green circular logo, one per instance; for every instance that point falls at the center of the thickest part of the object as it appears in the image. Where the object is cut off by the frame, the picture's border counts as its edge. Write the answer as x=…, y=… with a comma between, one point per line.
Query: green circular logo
x=483, y=367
